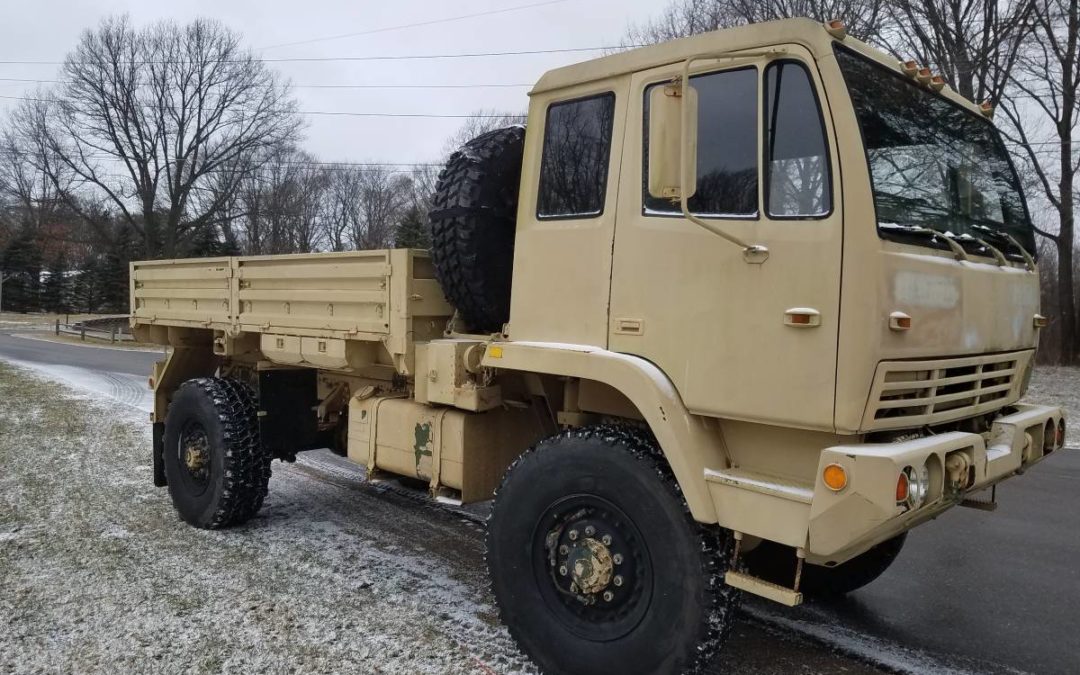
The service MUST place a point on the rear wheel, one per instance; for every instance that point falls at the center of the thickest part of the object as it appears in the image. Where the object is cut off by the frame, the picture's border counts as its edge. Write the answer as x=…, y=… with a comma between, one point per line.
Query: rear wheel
x=596, y=563
x=776, y=563
x=216, y=469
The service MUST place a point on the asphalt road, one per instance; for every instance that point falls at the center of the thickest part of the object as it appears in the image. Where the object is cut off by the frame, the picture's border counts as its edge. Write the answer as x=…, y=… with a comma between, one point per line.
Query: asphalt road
x=23, y=347
x=972, y=591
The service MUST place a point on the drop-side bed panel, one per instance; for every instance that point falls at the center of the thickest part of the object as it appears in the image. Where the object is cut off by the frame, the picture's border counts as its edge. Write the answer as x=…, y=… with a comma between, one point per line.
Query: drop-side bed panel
x=385, y=296
x=339, y=292
x=191, y=292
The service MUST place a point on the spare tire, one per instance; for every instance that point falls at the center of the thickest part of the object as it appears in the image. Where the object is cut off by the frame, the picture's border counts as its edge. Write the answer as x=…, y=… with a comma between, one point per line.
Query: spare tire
x=472, y=226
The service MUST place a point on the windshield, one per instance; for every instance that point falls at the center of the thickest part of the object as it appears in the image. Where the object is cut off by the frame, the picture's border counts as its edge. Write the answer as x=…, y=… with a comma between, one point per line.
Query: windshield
x=936, y=167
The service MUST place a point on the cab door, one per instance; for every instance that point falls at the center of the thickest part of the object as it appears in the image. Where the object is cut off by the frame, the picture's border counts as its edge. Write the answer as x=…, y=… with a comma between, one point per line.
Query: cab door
x=739, y=340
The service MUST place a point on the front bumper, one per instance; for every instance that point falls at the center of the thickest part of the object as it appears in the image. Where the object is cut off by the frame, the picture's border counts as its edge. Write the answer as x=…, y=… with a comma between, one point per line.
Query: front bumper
x=834, y=526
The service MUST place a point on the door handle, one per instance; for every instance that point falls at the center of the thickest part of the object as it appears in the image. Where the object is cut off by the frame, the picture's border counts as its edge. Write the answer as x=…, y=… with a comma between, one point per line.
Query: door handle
x=802, y=317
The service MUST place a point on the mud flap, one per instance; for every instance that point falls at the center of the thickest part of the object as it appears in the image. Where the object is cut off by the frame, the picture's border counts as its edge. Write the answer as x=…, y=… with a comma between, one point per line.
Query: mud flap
x=159, y=454
x=287, y=401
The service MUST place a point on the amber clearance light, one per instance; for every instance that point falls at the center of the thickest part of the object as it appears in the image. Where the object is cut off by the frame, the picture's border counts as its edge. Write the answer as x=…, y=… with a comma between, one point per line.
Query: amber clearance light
x=835, y=477
x=902, y=488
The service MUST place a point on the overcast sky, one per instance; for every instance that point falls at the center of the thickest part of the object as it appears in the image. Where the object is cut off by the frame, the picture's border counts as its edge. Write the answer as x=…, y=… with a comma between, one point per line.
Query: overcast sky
x=47, y=30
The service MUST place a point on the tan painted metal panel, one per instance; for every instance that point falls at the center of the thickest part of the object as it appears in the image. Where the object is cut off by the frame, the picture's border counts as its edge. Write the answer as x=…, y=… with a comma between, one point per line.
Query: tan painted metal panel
x=384, y=296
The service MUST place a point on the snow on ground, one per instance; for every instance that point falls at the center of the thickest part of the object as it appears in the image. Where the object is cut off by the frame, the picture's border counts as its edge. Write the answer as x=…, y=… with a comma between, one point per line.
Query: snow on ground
x=1059, y=385
x=130, y=390
x=101, y=576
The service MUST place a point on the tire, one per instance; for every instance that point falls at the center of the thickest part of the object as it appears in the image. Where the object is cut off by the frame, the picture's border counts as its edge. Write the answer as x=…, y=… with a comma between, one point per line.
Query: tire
x=215, y=467
x=776, y=563
x=472, y=226
x=672, y=610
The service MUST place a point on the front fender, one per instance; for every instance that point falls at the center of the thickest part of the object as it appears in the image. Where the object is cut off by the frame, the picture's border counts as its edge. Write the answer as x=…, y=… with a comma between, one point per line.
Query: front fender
x=690, y=443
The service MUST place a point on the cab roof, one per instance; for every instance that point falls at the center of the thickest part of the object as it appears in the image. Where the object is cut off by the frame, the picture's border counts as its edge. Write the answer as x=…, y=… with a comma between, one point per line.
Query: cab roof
x=805, y=32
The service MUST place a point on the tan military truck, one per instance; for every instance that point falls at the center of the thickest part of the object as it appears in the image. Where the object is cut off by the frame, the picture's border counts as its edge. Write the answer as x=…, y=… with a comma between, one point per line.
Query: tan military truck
x=734, y=313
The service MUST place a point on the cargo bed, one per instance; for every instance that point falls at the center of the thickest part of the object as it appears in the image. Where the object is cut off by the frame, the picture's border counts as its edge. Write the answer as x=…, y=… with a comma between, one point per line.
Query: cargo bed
x=306, y=307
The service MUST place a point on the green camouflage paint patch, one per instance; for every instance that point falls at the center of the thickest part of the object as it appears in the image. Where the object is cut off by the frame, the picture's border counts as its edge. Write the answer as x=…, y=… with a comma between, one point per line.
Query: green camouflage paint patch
x=422, y=446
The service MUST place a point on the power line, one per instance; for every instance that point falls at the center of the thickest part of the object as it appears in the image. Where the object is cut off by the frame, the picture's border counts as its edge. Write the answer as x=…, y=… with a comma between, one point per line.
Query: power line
x=328, y=113
x=432, y=22
x=321, y=59
x=488, y=85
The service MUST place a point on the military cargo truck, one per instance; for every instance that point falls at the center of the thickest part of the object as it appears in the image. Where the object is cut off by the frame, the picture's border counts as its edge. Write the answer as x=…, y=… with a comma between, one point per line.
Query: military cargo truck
x=731, y=314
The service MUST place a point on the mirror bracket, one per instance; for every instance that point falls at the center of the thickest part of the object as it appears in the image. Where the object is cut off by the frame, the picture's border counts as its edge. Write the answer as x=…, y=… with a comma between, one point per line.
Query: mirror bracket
x=753, y=254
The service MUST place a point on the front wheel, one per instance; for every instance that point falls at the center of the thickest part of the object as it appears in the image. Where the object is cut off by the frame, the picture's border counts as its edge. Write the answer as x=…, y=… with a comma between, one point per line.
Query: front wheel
x=216, y=469
x=596, y=563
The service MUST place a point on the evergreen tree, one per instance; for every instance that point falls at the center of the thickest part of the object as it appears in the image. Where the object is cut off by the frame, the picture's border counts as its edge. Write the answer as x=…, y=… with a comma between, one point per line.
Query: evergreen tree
x=412, y=230
x=54, y=289
x=21, y=262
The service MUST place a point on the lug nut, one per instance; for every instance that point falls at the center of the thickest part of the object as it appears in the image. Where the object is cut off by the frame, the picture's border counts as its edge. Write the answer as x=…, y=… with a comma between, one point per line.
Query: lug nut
x=617, y=558
x=590, y=531
x=573, y=535
x=562, y=570
x=606, y=539
x=608, y=596
x=564, y=549
x=617, y=580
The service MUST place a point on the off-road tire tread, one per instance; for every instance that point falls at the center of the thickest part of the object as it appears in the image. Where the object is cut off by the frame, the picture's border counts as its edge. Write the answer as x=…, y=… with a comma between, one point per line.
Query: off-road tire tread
x=473, y=251
x=246, y=465
x=717, y=544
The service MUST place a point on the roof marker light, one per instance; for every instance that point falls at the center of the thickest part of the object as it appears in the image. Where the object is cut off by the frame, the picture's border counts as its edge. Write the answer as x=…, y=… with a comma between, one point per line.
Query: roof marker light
x=924, y=75
x=986, y=108
x=909, y=68
x=937, y=82
x=836, y=28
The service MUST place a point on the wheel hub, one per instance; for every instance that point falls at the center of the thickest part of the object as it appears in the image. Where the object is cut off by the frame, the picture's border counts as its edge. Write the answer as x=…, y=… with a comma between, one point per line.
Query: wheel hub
x=591, y=566
x=193, y=453
x=194, y=458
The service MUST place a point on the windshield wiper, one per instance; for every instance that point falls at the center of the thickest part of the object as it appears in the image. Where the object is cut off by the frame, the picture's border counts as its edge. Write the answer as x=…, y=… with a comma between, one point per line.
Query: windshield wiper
x=1029, y=261
x=954, y=245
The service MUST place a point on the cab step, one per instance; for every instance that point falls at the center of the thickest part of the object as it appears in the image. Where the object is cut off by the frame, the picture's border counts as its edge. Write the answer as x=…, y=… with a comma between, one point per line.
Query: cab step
x=982, y=504
x=766, y=589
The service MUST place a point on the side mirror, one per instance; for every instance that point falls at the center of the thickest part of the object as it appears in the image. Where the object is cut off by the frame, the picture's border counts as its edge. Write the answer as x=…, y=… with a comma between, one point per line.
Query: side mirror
x=672, y=153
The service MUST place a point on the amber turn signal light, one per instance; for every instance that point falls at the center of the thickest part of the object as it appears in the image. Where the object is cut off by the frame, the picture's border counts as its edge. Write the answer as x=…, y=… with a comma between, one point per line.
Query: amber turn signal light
x=902, y=488
x=835, y=477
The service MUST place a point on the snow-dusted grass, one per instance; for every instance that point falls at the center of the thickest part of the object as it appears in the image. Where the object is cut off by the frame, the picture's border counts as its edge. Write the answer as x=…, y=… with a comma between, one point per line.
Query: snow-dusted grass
x=1059, y=385
x=97, y=574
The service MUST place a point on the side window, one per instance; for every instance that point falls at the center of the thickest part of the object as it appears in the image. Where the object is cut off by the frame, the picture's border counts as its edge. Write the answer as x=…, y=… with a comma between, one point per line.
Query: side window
x=727, y=152
x=574, y=166
x=797, y=178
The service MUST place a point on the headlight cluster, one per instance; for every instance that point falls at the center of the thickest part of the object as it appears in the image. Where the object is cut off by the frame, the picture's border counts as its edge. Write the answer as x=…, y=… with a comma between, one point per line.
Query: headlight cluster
x=912, y=487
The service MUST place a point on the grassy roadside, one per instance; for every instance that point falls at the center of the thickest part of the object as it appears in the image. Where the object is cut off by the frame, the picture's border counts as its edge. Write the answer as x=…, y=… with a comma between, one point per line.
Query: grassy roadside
x=98, y=574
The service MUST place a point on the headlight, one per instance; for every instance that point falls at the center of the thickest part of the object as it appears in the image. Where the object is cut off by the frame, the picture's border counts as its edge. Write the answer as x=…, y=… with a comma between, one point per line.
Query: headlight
x=912, y=486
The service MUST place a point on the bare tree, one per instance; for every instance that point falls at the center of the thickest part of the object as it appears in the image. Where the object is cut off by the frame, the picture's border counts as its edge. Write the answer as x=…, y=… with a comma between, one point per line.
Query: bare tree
x=1043, y=116
x=973, y=44
x=481, y=122
x=281, y=204
x=147, y=118
x=689, y=17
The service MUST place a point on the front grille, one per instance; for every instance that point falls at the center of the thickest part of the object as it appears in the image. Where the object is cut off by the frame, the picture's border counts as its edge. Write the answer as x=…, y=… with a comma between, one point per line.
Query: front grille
x=919, y=393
